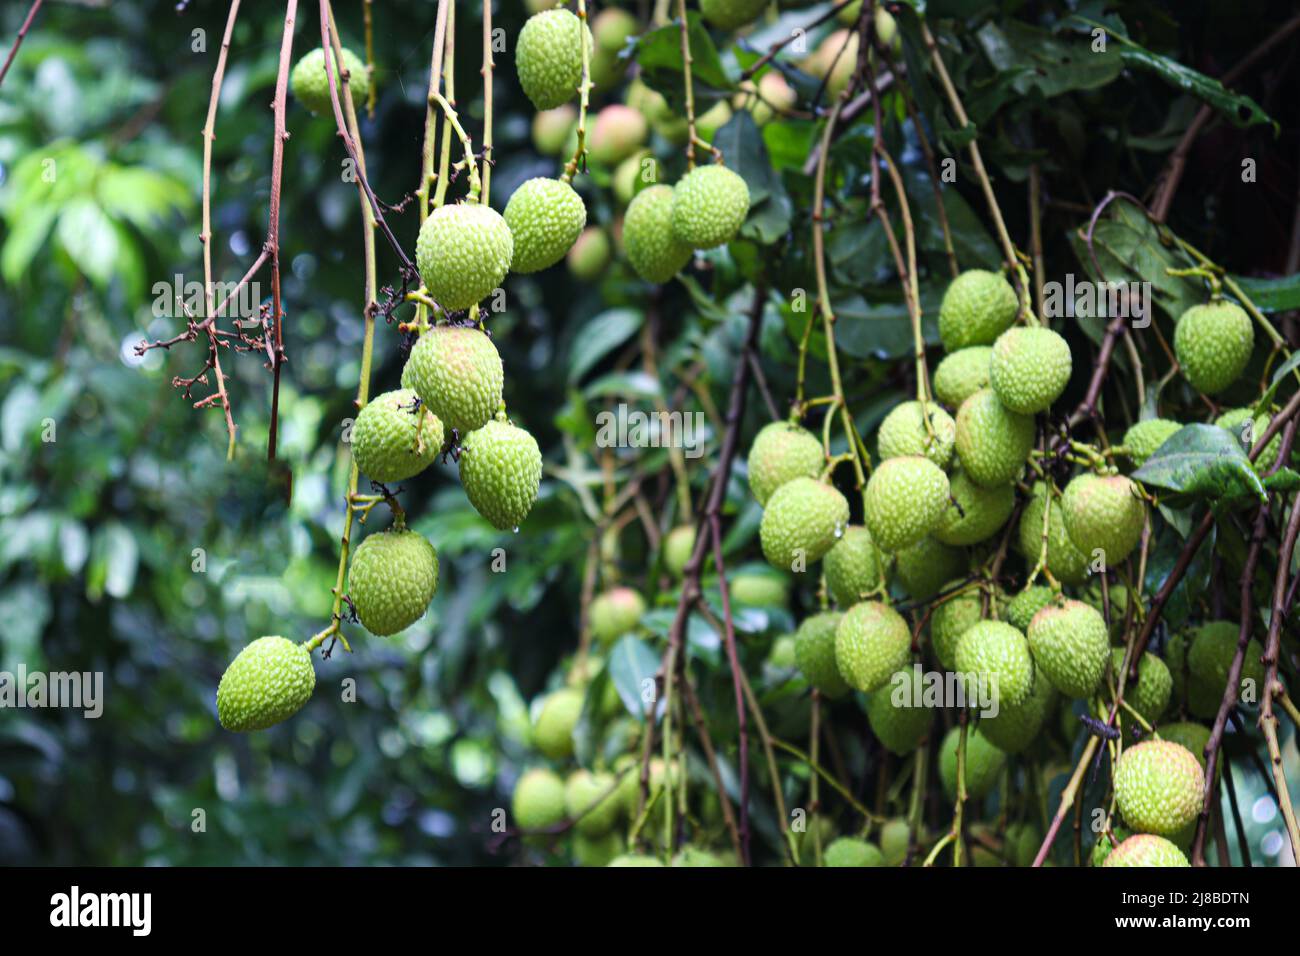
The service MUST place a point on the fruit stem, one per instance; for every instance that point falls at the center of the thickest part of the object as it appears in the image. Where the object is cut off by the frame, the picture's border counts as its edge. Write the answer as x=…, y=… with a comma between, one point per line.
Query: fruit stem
x=584, y=95
x=475, y=184
x=487, y=95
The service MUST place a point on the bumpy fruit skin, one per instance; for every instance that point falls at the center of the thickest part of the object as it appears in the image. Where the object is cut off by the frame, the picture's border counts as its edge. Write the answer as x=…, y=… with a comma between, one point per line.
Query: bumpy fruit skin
x=617, y=133
x=802, y=521
x=1071, y=646
x=759, y=589
x=1066, y=562
x=552, y=128
x=1023, y=607
x=538, y=800
x=553, y=731
x=1234, y=420
x=311, y=85
x=1149, y=696
x=1015, y=728
x=993, y=442
x=634, y=859
x=710, y=205
x=268, y=681
x=394, y=437
x=814, y=653
x=677, y=549
x=463, y=252
x=853, y=567
x=1144, y=849
x=976, y=513
x=548, y=57
x=899, y=728
x=589, y=256
x=904, y=501
x=501, y=468
x=648, y=238
x=951, y=619
x=983, y=763
x=1210, y=654
x=782, y=452
x=851, y=851
x=590, y=801
x=903, y=433
x=962, y=373
x=923, y=568
x=872, y=643
x=615, y=612
x=729, y=14
x=1191, y=735
x=457, y=373
x=597, y=850
x=1201, y=696
x=693, y=856
x=998, y=655
x=393, y=577
x=545, y=217
x=1144, y=438
x=977, y=307
x=1158, y=787
x=1213, y=343
x=1103, y=513
x=1029, y=369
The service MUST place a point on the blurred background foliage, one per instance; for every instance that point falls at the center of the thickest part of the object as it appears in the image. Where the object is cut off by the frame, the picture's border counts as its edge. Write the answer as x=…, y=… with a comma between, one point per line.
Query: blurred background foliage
x=113, y=491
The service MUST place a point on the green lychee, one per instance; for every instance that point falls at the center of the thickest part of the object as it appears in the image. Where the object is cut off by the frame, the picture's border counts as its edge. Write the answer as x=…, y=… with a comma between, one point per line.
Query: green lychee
x=904, y=432
x=634, y=859
x=802, y=521
x=729, y=14
x=1071, y=646
x=814, y=653
x=951, y=618
x=996, y=655
x=614, y=613
x=852, y=851
x=617, y=133
x=268, y=681
x=638, y=172
x=922, y=569
x=1149, y=696
x=652, y=247
x=590, y=800
x=1158, y=787
x=1194, y=737
x=392, y=579
x=1023, y=607
x=552, y=128
x=904, y=501
x=598, y=850
x=962, y=373
x=545, y=217
x=548, y=57
x=1029, y=369
x=590, y=254
x=1103, y=514
x=457, y=373
x=1066, y=562
x=1143, y=439
x=395, y=436
x=1210, y=656
x=1235, y=421
x=538, y=800
x=899, y=724
x=678, y=546
x=853, y=567
x=872, y=643
x=975, y=513
x=1145, y=849
x=993, y=442
x=760, y=588
x=1213, y=343
x=984, y=763
x=781, y=452
x=710, y=204
x=463, y=252
x=977, y=307
x=500, y=469
x=310, y=80
x=553, y=730
x=1016, y=726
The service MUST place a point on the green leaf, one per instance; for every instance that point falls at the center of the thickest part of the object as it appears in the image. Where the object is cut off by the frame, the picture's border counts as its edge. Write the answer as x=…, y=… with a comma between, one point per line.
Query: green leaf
x=1272, y=295
x=604, y=333
x=1048, y=64
x=90, y=240
x=1204, y=461
x=113, y=562
x=632, y=666
x=1284, y=480
x=25, y=240
x=1283, y=370
x=659, y=54
x=624, y=384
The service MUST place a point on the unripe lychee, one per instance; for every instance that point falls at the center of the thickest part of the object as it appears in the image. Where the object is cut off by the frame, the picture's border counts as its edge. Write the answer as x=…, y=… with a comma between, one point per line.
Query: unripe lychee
x=802, y=521
x=395, y=436
x=759, y=589
x=773, y=97
x=673, y=126
x=1029, y=369
x=952, y=618
x=1066, y=562
x=814, y=653
x=977, y=307
x=1193, y=736
x=553, y=731
x=1118, y=611
x=311, y=85
x=782, y=451
x=638, y=172
x=983, y=763
x=268, y=681
x=1016, y=726
x=545, y=217
x=729, y=14
x=693, y=856
x=993, y=442
x=552, y=128
x=1071, y=646
x=591, y=801
x=872, y=642
x=904, y=432
x=1145, y=849
x=834, y=60
x=1158, y=787
x=975, y=513
x=962, y=373
x=1235, y=421
x=501, y=468
x=648, y=238
x=1103, y=513
x=1213, y=343
x=634, y=859
x=611, y=29
x=995, y=655
x=900, y=727
x=616, y=134
x=853, y=567
x=392, y=579
x=1023, y=607
x=678, y=546
x=548, y=57
x=924, y=567
x=1210, y=656
x=538, y=800
x=614, y=613
x=598, y=850
x=851, y=851
x=1103, y=847
x=709, y=206
x=1149, y=695
x=904, y=501
x=1145, y=437
x=589, y=256
x=1201, y=696
x=463, y=252
x=457, y=373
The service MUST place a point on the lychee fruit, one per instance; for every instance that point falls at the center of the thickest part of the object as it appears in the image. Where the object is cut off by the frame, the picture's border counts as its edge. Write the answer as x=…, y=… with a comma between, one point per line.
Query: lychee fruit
x=1158, y=787
x=395, y=436
x=904, y=432
x=782, y=451
x=538, y=800
x=975, y=513
x=501, y=468
x=993, y=442
x=311, y=85
x=1071, y=646
x=614, y=613
x=802, y=521
x=1103, y=514
x=977, y=307
x=814, y=653
x=458, y=374
x=904, y=501
x=392, y=579
x=553, y=731
x=1029, y=369
x=548, y=57
x=997, y=655
x=853, y=567
x=872, y=642
x=268, y=681
x=710, y=204
x=1213, y=343
x=652, y=247
x=463, y=252
x=962, y=373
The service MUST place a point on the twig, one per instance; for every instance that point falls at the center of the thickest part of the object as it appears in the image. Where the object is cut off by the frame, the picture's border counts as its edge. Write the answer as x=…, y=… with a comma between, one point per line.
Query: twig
x=18, y=40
